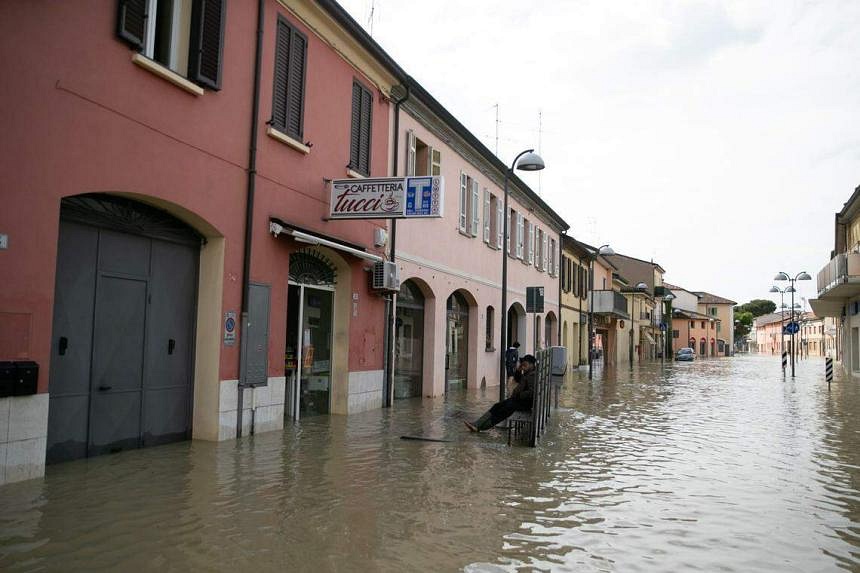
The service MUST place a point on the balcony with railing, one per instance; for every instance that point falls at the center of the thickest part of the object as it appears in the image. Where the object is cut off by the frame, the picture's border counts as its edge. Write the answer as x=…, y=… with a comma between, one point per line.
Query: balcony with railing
x=840, y=278
x=608, y=302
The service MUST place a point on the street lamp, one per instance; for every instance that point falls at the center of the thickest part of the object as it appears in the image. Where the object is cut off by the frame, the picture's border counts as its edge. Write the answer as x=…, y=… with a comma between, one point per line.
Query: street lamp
x=527, y=160
x=603, y=250
x=640, y=287
x=801, y=276
x=667, y=306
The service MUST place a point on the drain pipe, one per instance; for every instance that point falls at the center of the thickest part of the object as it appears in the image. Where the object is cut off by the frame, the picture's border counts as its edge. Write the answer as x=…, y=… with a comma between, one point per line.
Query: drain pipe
x=249, y=217
x=392, y=310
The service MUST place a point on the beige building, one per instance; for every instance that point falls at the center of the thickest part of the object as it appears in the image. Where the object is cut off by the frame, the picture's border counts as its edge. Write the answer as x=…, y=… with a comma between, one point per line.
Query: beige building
x=723, y=310
x=575, y=259
x=646, y=311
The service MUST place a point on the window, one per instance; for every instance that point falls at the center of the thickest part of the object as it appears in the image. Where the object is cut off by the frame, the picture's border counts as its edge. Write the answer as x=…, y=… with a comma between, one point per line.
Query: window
x=511, y=218
x=474, y=208
x=544, y=253
x=553, y=269
x=537, y=248
x=674, y=334
x=692, y=324
x=421, y=159
x=464, y=202
x=359, y=141
x=564, y=274
x=165, y=31
x=499, y=222
x=530, y=241
x=703, y=324
x=490, y=327
x=520, y=235
x=487, y=219
x=468, y=217
x=288, y=99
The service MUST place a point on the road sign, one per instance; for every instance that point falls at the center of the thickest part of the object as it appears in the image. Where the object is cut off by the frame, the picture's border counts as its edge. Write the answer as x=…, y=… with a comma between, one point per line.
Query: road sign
x=663, y=326
x=534, y=299
x=828, y=370
x=229, y=328
x=792, y=328
x=784, y=361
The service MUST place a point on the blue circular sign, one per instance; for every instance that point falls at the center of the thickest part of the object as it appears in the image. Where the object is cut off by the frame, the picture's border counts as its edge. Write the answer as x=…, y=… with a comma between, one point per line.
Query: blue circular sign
x=230, y=324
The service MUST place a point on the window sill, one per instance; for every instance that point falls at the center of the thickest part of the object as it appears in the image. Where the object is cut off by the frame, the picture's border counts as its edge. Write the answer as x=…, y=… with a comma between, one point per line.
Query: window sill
x=489, y=349
x=287, y=140
x=465, y=233
x=167, y=74
x=354, y=174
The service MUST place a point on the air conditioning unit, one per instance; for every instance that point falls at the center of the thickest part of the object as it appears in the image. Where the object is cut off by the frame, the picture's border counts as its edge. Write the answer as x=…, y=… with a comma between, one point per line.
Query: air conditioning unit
x=385, y=276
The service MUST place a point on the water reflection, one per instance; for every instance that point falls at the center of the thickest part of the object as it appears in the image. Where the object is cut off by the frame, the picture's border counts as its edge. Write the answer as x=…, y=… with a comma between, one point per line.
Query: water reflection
x=712, y=465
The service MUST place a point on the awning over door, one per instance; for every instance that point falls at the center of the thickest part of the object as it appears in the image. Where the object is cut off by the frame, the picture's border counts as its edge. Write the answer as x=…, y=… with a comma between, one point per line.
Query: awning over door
x=278, y=227
x=826, y=307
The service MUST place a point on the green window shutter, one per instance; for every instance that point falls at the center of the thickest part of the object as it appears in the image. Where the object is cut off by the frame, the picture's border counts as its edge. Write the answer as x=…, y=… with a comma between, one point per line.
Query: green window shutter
x=131, y=22
x=206, y=47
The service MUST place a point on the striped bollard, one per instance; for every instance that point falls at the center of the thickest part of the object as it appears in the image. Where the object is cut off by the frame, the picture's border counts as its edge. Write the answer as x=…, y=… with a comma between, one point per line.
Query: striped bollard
x=784, y=361
x=828, y=370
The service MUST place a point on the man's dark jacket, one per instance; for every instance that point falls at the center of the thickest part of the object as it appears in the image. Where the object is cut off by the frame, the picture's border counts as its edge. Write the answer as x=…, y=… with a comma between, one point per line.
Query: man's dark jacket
x=524, y=391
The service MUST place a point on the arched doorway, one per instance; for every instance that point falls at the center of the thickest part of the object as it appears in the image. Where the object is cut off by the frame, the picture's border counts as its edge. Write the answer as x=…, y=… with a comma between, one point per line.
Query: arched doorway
x=409, y=341
x=550, y=330
x=702, y=348
x=308, y=359
x=516, y=326
x=457, y=342
x=125, y=307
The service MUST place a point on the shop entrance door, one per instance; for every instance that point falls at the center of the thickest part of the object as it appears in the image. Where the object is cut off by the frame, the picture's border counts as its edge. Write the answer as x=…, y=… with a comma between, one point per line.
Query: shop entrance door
x=308, y=357
x=457, y=343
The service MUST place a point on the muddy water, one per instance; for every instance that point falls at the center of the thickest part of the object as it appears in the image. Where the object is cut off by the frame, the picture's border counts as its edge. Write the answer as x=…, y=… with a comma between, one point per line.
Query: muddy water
x=708, y=466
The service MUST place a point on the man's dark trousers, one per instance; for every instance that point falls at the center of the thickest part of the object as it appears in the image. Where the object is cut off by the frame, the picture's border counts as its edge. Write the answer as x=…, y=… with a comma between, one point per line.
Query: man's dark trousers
x=501, y=411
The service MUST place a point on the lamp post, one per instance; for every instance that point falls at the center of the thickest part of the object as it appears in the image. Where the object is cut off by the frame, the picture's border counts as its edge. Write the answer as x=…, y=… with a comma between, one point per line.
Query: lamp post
x=527, y=160
x=605, y=250
x=639, y=287
x=667, y=303
x=801, y=276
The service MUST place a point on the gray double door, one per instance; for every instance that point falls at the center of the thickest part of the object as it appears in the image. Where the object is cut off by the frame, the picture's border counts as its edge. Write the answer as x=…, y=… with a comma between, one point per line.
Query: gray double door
x=123, y=342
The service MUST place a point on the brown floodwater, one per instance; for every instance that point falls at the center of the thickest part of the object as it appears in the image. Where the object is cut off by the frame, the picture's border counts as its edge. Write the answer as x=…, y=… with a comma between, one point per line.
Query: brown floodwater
x=715, y=465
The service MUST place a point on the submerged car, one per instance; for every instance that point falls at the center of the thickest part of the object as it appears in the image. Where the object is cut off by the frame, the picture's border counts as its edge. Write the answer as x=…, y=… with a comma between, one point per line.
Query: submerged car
x=685, y=355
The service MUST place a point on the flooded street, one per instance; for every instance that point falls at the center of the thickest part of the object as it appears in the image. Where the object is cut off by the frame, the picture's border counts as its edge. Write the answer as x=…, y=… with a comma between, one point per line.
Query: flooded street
x=714, y=465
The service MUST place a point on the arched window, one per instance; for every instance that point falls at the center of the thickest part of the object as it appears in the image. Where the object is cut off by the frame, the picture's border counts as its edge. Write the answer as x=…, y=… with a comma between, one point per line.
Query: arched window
x=490, y=327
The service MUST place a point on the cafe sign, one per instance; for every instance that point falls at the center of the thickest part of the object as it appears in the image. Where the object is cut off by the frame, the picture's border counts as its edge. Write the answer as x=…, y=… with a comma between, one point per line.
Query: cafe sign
x=387, y=198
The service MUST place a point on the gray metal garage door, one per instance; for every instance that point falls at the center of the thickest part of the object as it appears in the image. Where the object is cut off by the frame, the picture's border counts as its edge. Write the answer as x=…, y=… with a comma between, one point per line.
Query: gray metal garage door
x=122, y=357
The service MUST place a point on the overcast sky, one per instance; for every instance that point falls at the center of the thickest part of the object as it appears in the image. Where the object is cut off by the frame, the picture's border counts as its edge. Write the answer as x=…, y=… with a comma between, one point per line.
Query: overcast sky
x=718, y=138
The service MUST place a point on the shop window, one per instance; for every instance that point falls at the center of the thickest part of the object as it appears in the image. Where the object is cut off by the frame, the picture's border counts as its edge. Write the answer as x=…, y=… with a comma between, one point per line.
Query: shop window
x=359, y=141
x=165, y=30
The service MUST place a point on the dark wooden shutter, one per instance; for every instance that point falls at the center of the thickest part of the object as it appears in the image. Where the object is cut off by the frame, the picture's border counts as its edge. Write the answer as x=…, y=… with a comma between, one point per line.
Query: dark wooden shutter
x=279, y=87
x=207, y=42
x=131, y=22
x=296, y=85
x=364, y=147
x=288, y=103
x=354, y=136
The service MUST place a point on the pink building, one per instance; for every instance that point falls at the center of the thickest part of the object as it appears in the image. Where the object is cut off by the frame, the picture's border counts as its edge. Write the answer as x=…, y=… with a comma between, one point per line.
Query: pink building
x=126, y=176
x=449, y=324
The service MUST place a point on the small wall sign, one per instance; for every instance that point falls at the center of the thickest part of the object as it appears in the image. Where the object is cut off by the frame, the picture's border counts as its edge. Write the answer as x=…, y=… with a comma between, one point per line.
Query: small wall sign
x=229, y=328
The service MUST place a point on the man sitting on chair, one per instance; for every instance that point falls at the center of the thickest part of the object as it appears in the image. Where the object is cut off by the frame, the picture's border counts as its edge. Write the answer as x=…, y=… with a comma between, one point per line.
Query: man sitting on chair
x=520, y=400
